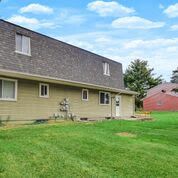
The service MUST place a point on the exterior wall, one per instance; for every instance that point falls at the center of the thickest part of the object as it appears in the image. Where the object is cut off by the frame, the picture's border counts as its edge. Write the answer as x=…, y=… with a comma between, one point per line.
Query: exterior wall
x=127, y=105
x=161, y=102
x=30, y=106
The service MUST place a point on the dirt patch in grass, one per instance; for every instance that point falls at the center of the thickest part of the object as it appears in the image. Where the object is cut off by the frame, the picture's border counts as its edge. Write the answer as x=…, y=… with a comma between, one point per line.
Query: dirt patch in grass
x=126, y=134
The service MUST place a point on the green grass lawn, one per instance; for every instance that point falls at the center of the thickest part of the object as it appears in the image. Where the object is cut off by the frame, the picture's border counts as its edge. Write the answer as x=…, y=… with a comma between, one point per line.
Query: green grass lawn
x=92, y=150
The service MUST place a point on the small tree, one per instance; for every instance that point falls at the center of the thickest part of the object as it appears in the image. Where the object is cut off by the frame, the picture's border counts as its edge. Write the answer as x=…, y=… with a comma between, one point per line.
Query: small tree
x=174, y=78
x=139, y=77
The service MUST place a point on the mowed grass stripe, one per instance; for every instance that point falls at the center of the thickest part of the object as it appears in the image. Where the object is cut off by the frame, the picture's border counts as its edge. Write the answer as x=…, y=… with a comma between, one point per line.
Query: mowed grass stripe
x=92, y=150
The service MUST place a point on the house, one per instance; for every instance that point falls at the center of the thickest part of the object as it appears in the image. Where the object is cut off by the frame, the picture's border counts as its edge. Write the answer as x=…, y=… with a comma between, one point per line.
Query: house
x=38, y=73
x=163, y=97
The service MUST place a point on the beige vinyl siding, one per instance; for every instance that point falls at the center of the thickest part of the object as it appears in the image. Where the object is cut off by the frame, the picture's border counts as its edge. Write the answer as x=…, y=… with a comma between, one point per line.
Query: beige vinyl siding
x=30, y=106
x=127, y=105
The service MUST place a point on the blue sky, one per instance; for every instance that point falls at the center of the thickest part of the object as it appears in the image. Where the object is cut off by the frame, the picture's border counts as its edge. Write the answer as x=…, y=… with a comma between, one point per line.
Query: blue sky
x=122, y=30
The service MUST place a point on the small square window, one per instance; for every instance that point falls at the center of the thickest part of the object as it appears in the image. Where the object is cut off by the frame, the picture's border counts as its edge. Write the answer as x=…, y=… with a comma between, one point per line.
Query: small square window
x=85, y=94
x=104, y=98
x=106, y=69
x=44, y=90
x=23, y=44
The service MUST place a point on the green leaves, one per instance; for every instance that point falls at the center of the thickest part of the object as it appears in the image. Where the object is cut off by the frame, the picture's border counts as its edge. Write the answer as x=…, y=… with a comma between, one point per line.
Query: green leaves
x=174, y=78
x=139, y=77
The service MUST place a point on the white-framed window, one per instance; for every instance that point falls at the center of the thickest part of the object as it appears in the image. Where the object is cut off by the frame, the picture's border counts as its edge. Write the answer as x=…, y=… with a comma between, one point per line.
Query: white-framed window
x=44, y=90
x=106, y=69
x=8, y=89
x=104, y=98
x=23, y=44
x=85, y=94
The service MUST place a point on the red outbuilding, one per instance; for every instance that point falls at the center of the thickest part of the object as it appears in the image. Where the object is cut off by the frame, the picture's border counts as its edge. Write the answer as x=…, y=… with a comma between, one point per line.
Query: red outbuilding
x=163, y=97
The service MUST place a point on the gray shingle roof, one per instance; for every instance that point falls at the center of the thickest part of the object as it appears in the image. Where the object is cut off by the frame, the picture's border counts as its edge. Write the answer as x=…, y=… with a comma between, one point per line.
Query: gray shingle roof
x=53, y=58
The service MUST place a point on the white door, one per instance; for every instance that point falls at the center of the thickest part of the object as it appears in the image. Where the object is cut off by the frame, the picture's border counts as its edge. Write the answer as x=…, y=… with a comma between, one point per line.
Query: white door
x=118, y=103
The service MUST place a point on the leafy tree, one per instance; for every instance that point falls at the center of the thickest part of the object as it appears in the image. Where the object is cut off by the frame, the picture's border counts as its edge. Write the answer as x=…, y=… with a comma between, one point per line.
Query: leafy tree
x=139, y=77
x=174, y=78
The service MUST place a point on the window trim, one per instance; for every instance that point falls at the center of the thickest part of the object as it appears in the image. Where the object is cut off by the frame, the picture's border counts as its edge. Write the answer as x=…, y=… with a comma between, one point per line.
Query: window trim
x=109, y=98
x=44, y=84
x=16, y=88
x=87, y=94
x=104, y=71
x=20, y=52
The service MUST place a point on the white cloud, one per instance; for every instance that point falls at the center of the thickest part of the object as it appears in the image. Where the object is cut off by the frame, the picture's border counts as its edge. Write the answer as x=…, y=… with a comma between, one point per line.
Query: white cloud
x=161, y=53
x=111, y=8
x=31, y=23
x=174, y=27
x=149, y=44
x=67, y=16
x=172, y=11
x=64, y=17
x=36, y=9
x=135, y=22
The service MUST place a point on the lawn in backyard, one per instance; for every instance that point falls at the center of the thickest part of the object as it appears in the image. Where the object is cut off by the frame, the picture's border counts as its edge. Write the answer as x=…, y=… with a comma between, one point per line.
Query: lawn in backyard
x=92, y=149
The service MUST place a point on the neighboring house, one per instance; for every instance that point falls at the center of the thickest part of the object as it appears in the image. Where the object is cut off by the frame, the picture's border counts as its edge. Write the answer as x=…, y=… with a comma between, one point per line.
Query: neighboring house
x=163, y=97
x=38, y=72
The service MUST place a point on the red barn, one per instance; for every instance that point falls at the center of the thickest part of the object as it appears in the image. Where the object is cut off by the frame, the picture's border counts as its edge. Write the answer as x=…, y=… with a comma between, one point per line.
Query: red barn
x=163, y=97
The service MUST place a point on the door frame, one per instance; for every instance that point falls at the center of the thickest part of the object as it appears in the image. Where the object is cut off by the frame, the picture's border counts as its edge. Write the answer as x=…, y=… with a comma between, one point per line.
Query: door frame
x=118, y=114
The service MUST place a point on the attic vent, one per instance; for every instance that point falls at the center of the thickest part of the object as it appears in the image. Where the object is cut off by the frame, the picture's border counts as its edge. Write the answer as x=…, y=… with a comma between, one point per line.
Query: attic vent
x=163, y=91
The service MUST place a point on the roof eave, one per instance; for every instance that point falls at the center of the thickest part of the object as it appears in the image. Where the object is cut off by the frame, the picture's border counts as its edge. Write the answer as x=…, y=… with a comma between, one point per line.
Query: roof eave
x=28, y=76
